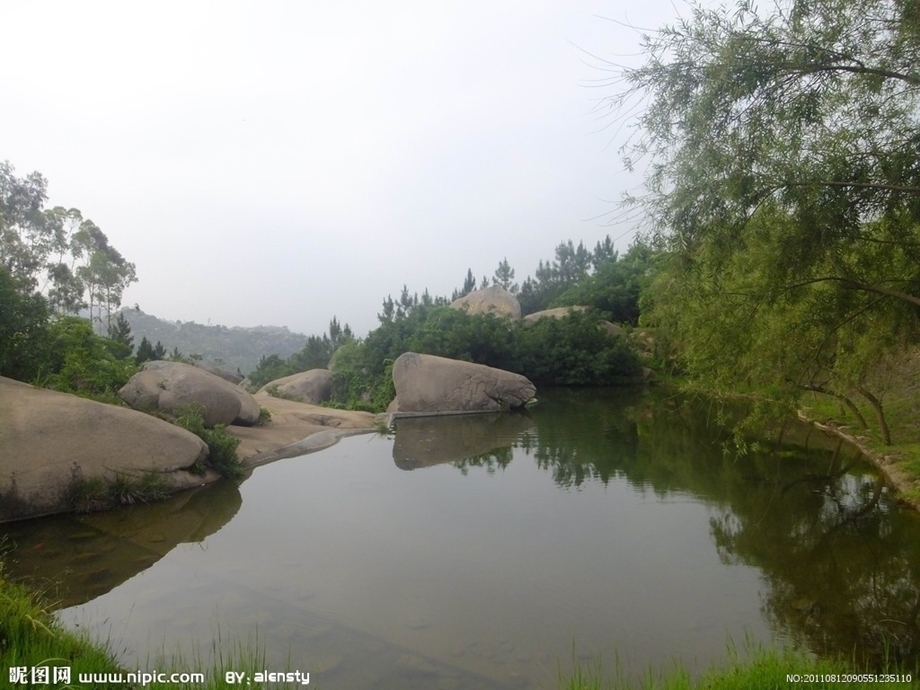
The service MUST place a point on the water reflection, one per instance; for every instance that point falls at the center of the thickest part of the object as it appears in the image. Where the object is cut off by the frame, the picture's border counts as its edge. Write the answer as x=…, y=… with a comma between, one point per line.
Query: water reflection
x=837, y=561
x=840, y=559
x=78, y=558
x=481, y=440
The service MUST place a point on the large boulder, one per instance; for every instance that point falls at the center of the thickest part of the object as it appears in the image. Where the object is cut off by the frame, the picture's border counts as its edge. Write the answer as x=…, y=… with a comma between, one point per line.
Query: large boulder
x=227, y=375
x=612, y=329
x=426, y=384
x=50, y=441
x=168, y=386
x=491, y=300
x=557, y=313
x=314, y=386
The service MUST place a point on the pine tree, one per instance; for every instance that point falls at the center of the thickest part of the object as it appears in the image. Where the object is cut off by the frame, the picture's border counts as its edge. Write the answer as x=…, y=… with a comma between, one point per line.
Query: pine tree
x=119, y=332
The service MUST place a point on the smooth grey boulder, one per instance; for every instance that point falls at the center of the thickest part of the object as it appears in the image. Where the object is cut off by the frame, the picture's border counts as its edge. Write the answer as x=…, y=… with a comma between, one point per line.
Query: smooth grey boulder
x=49, y=441
x=227, y=375
x=611, y=329
x=491, y=300
x=314, y=386
x=168, y=386
x=557, y=313
x=426, y=384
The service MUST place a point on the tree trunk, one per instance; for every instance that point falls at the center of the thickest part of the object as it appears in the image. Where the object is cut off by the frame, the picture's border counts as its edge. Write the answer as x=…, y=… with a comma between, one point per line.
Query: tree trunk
x=879, y=414
x=851, y=406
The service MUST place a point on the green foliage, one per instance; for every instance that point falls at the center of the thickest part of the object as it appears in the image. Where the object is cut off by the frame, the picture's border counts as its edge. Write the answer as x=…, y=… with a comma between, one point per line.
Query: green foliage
x=30, y=636
x=757, y=668
x=270, y=368
x=265, y=416
x=65, y=257
x=504, y=277
x=120, y=334
x=316, y=354
x=615, y=286
x=57, y=251
x=813, y=108
x=783, y=181
x=360, y=381
x=569, y=351
x=573, y=351
x=222, y=447
x=148, y=353
x=737, y=328
x=79, y=361
x=23, y=329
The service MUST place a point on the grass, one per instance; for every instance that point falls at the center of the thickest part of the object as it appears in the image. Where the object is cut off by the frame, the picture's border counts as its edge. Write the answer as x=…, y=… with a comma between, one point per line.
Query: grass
x=31, y=637
x=221, y=446
x=758, y=669
x=92, y=495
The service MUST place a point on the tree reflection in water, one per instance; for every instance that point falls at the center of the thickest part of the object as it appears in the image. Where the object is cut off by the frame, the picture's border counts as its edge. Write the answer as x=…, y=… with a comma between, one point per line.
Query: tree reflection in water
x=839, y=558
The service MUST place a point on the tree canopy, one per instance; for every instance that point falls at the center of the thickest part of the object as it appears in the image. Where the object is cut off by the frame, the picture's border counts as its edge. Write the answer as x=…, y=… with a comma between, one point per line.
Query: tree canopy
x=782, y=158
x=57, y=252
x=812, y=108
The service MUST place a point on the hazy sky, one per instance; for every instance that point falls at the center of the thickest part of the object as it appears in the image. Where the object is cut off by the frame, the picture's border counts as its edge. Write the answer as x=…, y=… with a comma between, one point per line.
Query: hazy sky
x=283, y=162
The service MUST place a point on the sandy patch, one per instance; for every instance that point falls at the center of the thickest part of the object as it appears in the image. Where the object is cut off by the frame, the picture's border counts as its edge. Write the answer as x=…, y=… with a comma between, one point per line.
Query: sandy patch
x=292, y=423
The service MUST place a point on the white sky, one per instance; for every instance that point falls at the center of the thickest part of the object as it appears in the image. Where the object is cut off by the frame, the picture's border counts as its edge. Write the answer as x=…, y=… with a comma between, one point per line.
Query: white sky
x=279, y=163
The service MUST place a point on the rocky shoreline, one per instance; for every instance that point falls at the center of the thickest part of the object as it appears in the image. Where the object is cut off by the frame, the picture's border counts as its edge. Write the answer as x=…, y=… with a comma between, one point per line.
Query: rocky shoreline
x=60, y=452
x=296, y=428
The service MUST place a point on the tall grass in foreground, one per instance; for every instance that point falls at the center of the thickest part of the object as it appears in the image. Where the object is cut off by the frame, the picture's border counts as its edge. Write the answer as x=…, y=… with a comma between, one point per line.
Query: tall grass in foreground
x=758, y=669
x=31, y=637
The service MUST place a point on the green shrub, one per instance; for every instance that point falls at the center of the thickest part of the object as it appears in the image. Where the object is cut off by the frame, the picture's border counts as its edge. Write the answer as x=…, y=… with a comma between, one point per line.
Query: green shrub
x=221, y=446
x=265, y=416
x=23, y=329
x=82, y=363
x=92, y=495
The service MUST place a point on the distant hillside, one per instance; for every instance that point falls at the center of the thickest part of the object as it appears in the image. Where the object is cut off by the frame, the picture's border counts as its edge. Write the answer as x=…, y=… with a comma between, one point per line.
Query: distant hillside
x=239, y=348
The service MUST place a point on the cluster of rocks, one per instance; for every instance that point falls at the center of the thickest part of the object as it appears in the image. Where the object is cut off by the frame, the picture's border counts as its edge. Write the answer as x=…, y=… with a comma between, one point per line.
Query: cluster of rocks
x=50, y=442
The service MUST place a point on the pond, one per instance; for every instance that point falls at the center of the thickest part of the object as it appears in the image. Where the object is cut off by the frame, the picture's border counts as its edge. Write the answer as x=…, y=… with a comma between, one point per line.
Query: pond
x=496, y=551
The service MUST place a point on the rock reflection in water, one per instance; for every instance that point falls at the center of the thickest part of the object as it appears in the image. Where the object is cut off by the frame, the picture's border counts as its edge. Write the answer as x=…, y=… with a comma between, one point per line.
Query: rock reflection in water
x=473, y=439
x=624, y=525
x=78, y=558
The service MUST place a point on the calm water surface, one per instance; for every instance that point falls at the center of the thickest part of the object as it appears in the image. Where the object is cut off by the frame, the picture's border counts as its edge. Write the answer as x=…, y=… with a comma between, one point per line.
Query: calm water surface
x=488, y=551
